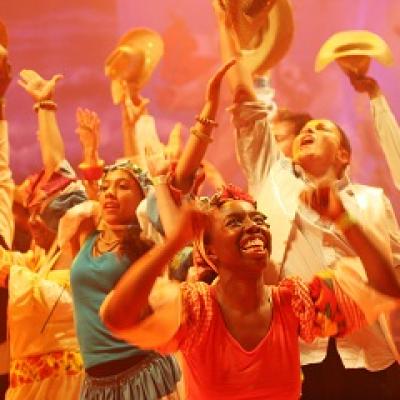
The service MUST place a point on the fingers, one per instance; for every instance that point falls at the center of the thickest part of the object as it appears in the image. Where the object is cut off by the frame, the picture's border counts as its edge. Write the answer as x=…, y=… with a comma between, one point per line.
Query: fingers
x=22, y=84
x=29, y=75
x=222, y=70
x=173, y=147
x=57, y=77
x=87, y=118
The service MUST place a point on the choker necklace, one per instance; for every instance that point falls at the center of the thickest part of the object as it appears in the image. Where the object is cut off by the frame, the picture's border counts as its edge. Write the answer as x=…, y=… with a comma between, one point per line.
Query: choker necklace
x=103, y=245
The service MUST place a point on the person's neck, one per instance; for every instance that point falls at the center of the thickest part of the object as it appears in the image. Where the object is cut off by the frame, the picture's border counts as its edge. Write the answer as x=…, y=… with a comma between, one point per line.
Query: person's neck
x=244, y=294
x=321, y=178
x=114, y=232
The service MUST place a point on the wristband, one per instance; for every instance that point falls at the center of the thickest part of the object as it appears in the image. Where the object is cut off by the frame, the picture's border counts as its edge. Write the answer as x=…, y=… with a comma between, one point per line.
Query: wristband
x=49, y=105
x=206, y=121
x=91, y=172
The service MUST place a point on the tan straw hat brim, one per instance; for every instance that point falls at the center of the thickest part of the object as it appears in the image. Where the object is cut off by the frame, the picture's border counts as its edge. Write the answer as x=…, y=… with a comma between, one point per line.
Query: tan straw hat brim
x=353, y=43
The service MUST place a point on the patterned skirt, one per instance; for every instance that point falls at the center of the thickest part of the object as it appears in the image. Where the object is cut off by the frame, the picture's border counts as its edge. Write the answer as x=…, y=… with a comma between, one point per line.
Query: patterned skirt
x=153, y=378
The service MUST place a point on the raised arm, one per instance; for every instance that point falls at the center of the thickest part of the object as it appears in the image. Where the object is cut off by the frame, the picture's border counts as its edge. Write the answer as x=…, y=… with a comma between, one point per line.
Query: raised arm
x=256, y=148
x=239, y=77
x=133, y=106
x=200, y=136
x=6, y=182
x=374, y=255
x=128, y=304
x=386, y=126
x=159, y=167
x=42, y=92
x=91, y=167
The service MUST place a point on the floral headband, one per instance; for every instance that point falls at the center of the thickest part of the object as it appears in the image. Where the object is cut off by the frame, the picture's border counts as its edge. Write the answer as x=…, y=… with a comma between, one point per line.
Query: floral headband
x=230, y=192
x=134, y=170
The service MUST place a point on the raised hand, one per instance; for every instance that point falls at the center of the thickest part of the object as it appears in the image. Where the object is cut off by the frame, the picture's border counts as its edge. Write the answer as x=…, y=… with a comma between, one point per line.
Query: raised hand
x=134, y=106
x=39, y=88
x=173, y=149
x=191, y=223
x=221, y=14
x=156, y=160
x=365, y=84
x=325, y=201
x=214, y=84
x=88, y=131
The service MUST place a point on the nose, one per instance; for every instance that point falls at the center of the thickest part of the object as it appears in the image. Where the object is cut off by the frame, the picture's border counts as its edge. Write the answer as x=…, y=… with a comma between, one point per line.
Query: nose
x=110, y=191
x=251, y=226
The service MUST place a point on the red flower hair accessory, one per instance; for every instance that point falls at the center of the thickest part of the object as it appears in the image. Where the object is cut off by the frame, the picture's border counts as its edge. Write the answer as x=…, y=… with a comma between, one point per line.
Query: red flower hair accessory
x=230, y=192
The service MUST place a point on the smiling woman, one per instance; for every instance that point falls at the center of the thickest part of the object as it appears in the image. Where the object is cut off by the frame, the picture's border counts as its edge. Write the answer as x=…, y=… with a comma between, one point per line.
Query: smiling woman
x=239, y=336
x=113, y=366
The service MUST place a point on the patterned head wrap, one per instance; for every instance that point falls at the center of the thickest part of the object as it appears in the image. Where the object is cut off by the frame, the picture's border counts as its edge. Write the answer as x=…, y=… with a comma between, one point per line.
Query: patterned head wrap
x=132, y=169
x=226, y=193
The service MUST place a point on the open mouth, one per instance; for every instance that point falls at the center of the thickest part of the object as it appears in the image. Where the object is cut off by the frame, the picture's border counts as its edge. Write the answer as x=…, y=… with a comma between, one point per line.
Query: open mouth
x=254, y=244
x=307, y=140
x=111, y=206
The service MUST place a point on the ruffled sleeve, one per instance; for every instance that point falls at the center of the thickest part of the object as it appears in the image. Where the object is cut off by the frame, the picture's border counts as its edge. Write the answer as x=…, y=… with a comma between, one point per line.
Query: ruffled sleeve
x=180, y=318
x=196, y=314
x=322, y=308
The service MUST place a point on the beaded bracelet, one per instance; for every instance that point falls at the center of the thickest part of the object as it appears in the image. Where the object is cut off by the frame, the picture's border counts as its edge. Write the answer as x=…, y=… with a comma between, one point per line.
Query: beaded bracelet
x=201, y=135
x=49, y=105
x=206, y=121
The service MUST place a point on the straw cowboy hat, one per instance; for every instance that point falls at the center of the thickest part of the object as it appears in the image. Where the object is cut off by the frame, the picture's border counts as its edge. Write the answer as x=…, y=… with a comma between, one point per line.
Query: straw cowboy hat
x=134, y=59
x=264, y=29
x=353, y=51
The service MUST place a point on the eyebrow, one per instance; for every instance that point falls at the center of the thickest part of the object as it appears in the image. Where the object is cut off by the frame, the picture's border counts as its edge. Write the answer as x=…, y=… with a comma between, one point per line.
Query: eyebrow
x=242, y=213
x=118, y=180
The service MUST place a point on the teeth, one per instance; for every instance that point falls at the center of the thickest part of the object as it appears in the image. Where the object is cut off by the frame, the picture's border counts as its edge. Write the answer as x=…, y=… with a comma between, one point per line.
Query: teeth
x=253, y=243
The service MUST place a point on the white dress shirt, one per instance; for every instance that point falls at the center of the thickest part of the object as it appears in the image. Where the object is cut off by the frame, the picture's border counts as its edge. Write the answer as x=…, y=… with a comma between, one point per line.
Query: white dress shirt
x=388, y=132
x=303, y=244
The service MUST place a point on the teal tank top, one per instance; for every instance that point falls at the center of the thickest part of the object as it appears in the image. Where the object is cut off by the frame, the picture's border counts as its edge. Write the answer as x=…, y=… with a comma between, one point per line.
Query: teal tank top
x=92, y=278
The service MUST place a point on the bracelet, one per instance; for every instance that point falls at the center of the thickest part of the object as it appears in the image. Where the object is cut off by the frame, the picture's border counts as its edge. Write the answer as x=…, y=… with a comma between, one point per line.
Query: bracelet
x=200, y=135
x=206, y=121
x=345, y=221
x=159, y=180
x=91, y=172
x=49, y=105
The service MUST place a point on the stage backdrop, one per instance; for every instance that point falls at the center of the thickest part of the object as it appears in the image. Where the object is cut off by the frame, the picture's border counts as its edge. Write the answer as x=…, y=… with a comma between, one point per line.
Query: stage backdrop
x=74, y=37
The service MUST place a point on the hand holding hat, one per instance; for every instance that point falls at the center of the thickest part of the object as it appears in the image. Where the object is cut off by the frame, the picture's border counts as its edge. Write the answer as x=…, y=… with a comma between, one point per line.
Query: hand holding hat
x=133, y=61
x=365, y=84
x=353, y=50
x=264, y=30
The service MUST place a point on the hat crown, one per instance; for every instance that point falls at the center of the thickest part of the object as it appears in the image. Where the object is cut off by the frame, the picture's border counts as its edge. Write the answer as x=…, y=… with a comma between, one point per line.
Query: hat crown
x=353, y=44
x=264, y=29
x=135, y=57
